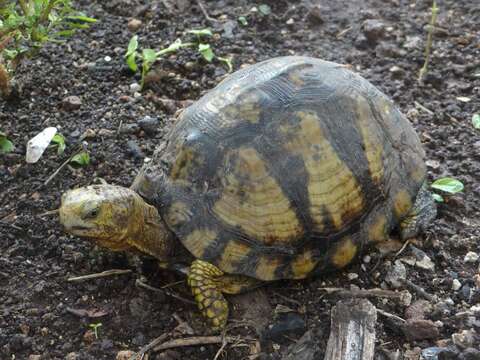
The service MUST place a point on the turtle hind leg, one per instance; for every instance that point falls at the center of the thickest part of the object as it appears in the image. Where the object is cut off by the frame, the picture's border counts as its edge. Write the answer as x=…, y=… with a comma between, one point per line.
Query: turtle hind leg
x=208, y=283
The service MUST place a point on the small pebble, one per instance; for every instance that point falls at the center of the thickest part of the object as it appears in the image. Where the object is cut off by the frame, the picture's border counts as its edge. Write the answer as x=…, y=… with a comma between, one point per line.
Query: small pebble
x=373, y=29
x=290, y=21
x=456, y=285
x=134, y=24
x=464, y=339
x=71, y=103
x=107, y=58
x=367, y=259
x=352, y=276
x=471, y=257
x=135, y=87
x=149, y=124
x=396, y=274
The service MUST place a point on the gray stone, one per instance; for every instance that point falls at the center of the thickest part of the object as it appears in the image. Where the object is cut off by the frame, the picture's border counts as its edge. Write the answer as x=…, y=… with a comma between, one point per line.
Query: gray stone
x=396, y=274
x=149, y=124
x=374, y=30
x=419, y=329
x=471, y=257
x=71, y=103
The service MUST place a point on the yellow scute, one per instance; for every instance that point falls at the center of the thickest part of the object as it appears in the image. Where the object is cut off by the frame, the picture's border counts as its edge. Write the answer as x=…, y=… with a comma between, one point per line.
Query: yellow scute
x=344, y=253
x=303, y=264
x=402, y=203
x=334, y=192
x=234, y=252
x=252, y=200
x=198, y=240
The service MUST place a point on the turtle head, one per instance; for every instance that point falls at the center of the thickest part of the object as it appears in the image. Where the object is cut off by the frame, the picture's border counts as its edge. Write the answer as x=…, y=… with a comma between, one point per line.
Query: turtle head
x=116, y=218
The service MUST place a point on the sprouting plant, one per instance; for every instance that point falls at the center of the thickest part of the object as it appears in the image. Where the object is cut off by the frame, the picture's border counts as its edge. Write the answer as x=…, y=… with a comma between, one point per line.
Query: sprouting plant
x=95, y=328
x=6, y=145
x=149, y=56
x=447, y=185
x=428, y=47
x=59, y=141
x=81, y=159
x=26, y=25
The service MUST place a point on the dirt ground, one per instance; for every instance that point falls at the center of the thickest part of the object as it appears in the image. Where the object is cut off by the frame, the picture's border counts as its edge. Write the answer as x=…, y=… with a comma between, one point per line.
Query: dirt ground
x=41, y=313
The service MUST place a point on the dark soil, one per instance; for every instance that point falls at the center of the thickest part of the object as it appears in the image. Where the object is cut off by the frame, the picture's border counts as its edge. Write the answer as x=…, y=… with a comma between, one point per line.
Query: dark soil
x=39, y=307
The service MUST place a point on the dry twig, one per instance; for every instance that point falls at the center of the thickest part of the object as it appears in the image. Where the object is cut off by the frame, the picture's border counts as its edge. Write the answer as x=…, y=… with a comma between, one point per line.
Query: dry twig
x=193, y=341
x=204, y=12
x=100, y=275
x=141, y=284
x=141, y=353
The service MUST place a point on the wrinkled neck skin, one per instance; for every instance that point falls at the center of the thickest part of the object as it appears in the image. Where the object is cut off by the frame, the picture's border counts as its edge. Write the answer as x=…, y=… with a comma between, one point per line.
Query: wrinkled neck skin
x=148, y=233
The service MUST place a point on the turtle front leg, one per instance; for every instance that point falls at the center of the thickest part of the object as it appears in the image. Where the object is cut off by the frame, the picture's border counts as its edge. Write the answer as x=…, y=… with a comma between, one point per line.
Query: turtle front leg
x=208, y=283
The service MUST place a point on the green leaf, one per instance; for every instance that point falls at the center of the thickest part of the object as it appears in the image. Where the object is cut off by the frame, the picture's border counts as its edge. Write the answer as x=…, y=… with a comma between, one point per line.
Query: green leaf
x=6, y=145
x=177, y=44
x=131, y=62
x=60, y=141
x=476, y=121
x=201, y=32
x=149, y=55
x=265, y=9
x=437, y=198
x=448, y=185
x=82, y=18
x=81, y=159
x=227, y=62
x=132, y=45
x=243, y=20
x=206, y=52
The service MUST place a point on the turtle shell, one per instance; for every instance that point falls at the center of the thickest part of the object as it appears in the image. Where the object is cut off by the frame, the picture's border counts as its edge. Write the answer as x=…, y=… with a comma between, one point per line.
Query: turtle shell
x=286, y=168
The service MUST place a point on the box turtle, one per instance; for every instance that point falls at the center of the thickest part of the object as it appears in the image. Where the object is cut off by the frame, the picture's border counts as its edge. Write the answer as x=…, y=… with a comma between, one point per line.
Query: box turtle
x=288, y=168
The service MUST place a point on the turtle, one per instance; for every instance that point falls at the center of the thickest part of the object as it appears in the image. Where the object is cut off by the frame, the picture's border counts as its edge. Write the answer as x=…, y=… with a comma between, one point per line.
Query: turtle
x=287, y=169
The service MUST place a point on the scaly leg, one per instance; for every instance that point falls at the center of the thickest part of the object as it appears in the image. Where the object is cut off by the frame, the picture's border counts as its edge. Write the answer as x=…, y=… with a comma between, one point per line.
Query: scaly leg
x=208, y=282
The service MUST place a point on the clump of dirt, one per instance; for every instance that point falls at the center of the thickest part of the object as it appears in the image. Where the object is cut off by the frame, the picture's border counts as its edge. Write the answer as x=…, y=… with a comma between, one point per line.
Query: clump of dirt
x=44, y=314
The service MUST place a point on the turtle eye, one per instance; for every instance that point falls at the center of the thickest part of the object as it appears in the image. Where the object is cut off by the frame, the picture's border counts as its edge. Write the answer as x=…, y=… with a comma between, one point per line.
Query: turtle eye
x=92, y=213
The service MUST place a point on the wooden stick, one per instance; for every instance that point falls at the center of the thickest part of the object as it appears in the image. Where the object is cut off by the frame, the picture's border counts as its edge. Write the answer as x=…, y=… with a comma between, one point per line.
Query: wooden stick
x=193, y=341
x=352, y=332
x=100, y=275
x=141, y=284
x=365, y=293
x=204, y=12
x=141, y=353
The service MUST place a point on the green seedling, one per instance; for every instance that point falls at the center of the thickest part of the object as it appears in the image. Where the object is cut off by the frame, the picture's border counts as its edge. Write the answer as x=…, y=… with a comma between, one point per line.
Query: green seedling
x=243, y=20
x=265, y=10
x=6, y=145
x=81, y=159
x=476, y=121
x=447, y=185
x=59, y=141
x=26, y=25
x=428, y=47
x=95, y=328
x=148, y=57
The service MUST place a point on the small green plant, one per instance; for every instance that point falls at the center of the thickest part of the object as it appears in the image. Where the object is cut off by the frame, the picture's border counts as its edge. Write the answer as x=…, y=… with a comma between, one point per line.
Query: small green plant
x=6, y=145
x=26, y=25
x=59, y=141
x=447, y=185
x=428, y=47
x=149, y=56
x=476, y=121
x=243, y=20
x=95, y=328
x=81, y=159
